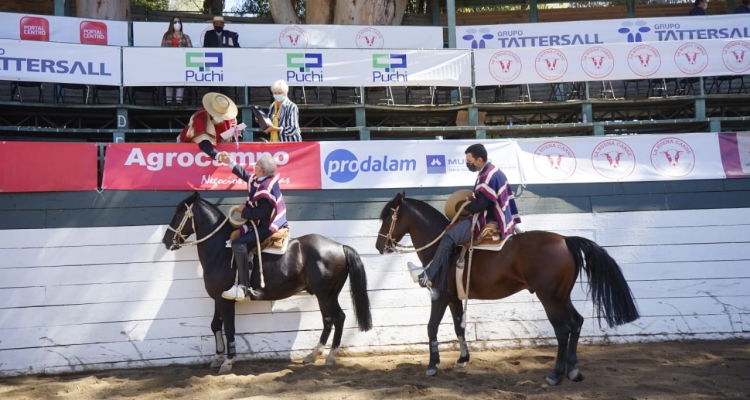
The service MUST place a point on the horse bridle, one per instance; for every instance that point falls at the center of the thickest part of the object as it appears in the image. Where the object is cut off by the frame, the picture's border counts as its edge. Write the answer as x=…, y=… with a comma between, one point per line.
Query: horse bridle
x=178, y=232
x=390, y=242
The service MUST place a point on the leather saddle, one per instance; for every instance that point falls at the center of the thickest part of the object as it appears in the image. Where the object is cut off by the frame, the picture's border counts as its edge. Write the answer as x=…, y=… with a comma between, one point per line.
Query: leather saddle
x=489, y=238
x=275, y=244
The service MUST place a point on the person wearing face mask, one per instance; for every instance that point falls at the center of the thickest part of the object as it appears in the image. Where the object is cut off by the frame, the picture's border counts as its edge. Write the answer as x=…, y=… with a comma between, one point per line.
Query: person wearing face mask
x=174, y=37
x=492, y=200
x=284, y=114
x=220, y=37
x=700, y=8
x=218, y=115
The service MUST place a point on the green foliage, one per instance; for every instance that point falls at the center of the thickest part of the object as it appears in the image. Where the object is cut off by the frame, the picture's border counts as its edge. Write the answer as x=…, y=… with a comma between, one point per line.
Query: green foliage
x=260, y=8
x=155, y=5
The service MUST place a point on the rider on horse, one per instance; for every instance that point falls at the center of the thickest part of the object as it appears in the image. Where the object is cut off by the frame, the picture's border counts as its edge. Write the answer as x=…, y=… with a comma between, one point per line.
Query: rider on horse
x=219, y=114
x=492, y=200
x=265, y=206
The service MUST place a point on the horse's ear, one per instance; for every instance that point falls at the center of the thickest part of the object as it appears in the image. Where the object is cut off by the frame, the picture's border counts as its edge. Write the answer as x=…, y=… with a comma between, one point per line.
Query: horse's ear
x=403, y=193
x=397, y=199
x=195, y=196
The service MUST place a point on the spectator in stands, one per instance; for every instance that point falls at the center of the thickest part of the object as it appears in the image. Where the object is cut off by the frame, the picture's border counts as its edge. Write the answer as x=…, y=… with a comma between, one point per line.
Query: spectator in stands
x=744, y=8
x=284, y=114
x=219, y=37
x=217, y=116
x=174, y=37
x=700, y=8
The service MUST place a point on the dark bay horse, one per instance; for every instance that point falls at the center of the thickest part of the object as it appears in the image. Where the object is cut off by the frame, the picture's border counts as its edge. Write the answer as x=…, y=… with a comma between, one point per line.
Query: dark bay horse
x=542, y=262
x=312, y=262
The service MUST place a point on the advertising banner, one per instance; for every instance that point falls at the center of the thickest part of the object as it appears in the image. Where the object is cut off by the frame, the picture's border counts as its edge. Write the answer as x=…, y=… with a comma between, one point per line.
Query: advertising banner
x=621, y=158
x=324, y=67
x=48, y=28
x=47, y=167
x=413, y=163
x=735, y=154
x=59, y=63
x=149, y=34
x=602, y=32
x=182, y=166
x=620, y=61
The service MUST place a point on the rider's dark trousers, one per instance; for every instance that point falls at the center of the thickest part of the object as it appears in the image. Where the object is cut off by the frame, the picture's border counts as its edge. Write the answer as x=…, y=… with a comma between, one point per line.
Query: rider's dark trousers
x=437, y=272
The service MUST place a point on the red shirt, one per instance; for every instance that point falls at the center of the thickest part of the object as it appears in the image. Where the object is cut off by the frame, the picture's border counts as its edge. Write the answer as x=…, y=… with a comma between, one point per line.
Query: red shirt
x=198, y=124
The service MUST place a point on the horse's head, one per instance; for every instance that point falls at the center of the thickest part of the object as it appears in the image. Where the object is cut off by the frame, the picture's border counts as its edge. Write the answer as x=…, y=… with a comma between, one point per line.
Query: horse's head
x=394, y=226
x=182, y=225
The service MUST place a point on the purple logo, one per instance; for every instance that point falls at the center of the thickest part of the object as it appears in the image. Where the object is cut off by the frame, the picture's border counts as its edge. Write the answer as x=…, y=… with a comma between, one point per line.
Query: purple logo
x=477, y=37
x=435, y=164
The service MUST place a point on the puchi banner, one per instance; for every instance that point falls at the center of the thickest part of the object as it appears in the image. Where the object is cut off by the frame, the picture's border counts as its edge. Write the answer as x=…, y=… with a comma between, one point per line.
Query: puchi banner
x=603, y=32
x=48, y=28
x=403, y=164
x=324, y=67
x=621, y=158
x=147, y=34
x=182, y=166
x=620, y=61
x=59, y=63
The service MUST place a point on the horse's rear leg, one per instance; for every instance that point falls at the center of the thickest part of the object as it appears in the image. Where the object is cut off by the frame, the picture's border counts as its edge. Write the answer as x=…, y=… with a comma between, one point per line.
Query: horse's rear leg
x=338, y=324
x=575, y=332
x=457, y=312
x=216, y=324
x=440, y=302
x=226, y=310
x=327, y=326
x=558, y=314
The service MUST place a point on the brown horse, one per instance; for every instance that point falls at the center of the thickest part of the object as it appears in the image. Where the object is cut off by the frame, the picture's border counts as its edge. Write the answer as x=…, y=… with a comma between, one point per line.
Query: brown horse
x=545, y=263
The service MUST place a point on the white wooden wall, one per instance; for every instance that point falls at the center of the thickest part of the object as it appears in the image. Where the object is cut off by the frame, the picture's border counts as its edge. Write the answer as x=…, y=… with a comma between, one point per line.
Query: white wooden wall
x=97, y=298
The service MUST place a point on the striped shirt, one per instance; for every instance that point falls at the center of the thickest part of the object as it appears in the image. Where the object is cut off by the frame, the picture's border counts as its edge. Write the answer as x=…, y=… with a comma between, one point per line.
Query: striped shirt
x=493, y=184
x=288, y=121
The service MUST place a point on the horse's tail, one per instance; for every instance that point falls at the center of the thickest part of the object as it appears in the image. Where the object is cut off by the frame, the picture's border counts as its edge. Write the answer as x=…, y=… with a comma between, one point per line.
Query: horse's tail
x=609, y=291
x=358, y=288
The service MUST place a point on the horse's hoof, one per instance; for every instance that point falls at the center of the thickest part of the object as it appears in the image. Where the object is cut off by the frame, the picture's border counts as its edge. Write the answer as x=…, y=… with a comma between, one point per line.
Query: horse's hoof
x=225, y=369
x=330, y=362
x=575, y=375
x=309, y=359
x=553, y=381
x=461, y=364
x=217, y=362
x=431, y=371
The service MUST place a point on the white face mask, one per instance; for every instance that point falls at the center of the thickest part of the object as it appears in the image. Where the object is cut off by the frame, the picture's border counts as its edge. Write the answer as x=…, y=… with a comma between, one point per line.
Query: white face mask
x=217, y=120
x=705, y=6
x=177, y=26
x=279, y=97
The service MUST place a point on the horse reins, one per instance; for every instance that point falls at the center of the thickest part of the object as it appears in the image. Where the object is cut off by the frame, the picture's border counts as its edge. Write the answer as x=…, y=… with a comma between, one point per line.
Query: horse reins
x=392, y=244
x=178, y=232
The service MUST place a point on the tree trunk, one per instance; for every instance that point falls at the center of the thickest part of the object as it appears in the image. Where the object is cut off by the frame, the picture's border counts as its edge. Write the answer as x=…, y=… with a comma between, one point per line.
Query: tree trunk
x=369, y=12
x=283, y=12
x=319, y=12
x=117, y=10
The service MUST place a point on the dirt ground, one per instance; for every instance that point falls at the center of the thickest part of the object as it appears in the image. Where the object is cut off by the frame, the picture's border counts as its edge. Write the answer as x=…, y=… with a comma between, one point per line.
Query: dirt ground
x=666, y=370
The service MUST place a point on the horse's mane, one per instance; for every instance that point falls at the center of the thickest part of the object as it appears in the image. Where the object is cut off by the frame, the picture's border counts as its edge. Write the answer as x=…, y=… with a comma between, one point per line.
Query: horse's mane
x=427, y=214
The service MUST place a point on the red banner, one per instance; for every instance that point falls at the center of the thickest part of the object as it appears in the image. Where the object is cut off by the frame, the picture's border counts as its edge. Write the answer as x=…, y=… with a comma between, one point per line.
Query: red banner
x=183, y=166
x=47, y=167
x=735, y=154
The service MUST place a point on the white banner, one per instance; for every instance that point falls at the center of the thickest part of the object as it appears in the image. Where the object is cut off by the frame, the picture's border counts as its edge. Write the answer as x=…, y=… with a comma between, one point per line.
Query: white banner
x=619, y=61
x=621, y=158
x=323, y=67
x=302, y=36
x=602, y=32
x=59, y=63
x=402, y=163
x=48, y=28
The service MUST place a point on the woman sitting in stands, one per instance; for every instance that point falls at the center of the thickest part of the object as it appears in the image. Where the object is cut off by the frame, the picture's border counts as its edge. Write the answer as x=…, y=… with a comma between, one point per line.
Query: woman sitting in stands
x=206, y=125
x=175, y=38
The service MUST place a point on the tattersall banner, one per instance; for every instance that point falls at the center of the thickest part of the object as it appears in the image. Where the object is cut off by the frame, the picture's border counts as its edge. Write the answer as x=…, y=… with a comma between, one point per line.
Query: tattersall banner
x=48, y=28
x=619, y=61
x=602, y=32
x=182, y=166
x=302, y=36
x=59, y=63
x=323, y=67
x=47, y=167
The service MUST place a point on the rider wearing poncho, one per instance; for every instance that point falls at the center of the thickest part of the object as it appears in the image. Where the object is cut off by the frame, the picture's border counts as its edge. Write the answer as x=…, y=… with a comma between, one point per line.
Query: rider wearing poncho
x=266, y=207
x=492, y=200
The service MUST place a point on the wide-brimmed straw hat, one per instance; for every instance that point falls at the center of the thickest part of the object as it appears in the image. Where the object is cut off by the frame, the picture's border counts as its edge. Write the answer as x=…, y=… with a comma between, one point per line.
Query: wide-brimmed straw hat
x=455, y=201
x=219, y=106
x=218, y=19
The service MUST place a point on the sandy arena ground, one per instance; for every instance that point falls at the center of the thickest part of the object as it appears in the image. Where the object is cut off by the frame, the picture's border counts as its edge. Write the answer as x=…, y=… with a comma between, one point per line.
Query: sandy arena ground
x=667, y=370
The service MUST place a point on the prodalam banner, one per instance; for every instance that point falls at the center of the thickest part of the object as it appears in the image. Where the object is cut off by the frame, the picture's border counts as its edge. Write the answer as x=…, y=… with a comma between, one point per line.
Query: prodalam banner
x=47, y=167
x=621, y=158
x=48, y=28
x=322, y=67
x=147, y=34
x=59, y=63
x=617, y=61
x=602, y=32
x=183, y=166
x=409, y=163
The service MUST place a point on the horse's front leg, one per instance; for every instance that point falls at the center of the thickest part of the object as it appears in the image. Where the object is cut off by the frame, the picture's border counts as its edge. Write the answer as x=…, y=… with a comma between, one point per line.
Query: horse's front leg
x=227, y=314
x=440, y=301
x=457, y=312
x=216, y=325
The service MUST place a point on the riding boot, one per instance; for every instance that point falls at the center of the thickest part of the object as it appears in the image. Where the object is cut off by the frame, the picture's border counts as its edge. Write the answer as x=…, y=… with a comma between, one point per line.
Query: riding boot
x=237, y=291
x=255, y=294
x=418, y=274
